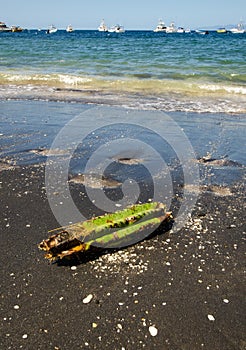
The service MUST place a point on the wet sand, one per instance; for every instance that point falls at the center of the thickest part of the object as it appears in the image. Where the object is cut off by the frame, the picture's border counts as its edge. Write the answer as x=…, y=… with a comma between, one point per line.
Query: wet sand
x=187, y=286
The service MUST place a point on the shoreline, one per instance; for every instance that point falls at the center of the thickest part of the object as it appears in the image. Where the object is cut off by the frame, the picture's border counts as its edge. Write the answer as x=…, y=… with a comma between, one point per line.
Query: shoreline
x=206, y=98
x=187, y=285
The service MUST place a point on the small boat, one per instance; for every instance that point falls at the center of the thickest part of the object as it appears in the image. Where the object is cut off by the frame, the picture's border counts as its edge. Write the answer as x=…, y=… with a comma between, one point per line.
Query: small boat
x=239, y=29
x=187, y=30
x=4, y=28
x=117, y=29
x=15, y=29
x=102, y=27
x=180, y=30
x=161, y=27
x=51, y=29
x=171, y=28
x=69, y=28
x=202, y=32
x=221, y=31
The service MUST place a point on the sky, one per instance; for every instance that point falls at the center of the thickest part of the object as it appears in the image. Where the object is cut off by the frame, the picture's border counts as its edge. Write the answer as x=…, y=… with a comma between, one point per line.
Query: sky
x=132, y=14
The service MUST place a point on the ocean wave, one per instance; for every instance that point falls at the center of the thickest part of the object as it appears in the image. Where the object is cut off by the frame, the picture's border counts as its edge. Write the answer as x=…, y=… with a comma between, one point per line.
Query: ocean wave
x=170, y=95
x=147, y=86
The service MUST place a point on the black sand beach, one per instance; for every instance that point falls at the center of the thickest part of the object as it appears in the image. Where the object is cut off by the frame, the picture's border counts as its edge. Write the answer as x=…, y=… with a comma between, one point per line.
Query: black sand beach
x=186, y=286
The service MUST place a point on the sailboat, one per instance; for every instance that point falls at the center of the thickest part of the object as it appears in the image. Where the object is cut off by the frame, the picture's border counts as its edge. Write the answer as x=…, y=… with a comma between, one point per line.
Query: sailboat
x=103, y=27
x=239, y=29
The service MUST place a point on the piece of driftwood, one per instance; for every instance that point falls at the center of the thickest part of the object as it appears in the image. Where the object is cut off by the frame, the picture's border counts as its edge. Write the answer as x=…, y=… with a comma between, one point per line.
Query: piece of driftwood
x=108, y=231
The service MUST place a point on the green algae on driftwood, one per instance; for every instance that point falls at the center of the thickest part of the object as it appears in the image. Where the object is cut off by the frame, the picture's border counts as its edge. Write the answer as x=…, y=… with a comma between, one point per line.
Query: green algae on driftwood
x=108, y=231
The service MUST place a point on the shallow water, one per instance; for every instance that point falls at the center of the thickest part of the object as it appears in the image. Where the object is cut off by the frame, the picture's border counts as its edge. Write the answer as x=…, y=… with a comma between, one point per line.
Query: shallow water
x=172, y=72
x=28, y=129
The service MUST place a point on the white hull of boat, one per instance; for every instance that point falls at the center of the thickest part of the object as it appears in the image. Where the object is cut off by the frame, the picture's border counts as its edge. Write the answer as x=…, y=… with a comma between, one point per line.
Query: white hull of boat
x=116, y=29
x=102, y=27
x=161, y=27
x=239, y=29
x=51, y=30
x=69, y=29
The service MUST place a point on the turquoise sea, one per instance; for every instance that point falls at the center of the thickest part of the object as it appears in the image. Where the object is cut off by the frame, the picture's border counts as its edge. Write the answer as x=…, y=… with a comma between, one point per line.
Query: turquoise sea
x=140, y=69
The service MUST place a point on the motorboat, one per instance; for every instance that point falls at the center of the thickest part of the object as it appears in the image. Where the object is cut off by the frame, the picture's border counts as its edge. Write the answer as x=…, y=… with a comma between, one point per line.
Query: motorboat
x=202, y=32
x=180, y=30
x=4, y=28
x=103, y=27
x=221, y=31
x=69, y=28
x=15, y=29
x=161, y=27
x=239, y=29
x=117, y=29
x=187, y=30
x=171, y=28
x=52, y=29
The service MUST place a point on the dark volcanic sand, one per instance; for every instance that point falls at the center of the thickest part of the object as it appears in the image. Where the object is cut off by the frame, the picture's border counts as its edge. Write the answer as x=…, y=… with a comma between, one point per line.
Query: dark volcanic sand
x=188, y=285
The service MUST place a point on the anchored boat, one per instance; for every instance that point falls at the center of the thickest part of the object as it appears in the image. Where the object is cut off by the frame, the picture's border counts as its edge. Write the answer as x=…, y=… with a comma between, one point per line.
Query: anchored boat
x=171, y=28
x=239, y=29
x=161, y=27
x=69, y=29
x=4, y=28
x=117, y=29
x=221, y=31
x=103, y=27
x=51, y=29
x=17, y=29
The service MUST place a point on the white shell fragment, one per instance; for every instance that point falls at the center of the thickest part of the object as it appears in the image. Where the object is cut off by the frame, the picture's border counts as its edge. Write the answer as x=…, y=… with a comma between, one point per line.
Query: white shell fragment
x=153, y=331
x=88, y=299
x=211, y=318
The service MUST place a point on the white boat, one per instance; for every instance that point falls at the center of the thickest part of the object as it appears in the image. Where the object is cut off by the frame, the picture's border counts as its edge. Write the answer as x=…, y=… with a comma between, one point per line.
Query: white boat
x=180, y=30
x=117, y=29
x=51, y=29
x=187, y=30
x=69, y=28
x=171, y=28
x=103, y=27
x=201, y=32
x=4, y=28
x=239, y=29
x=161, y=27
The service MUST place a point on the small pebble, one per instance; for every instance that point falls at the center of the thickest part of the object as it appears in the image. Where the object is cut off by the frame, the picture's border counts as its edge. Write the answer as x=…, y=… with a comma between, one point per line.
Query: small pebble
x=73, y=268
x=88, y=299
x=24, y=336
x=16, y=307
x=211, y=318
x=226, y=301
x=153, y=331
